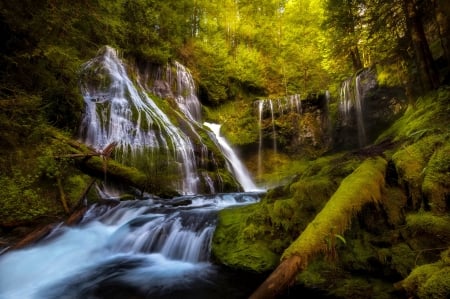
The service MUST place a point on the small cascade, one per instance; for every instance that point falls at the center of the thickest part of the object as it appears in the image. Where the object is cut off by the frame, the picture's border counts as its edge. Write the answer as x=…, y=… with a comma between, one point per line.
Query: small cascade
x=351, y=103
x=144, y=249
x=273, y=108
x=237, y=168
x=359, y=112
x=186, y=95
x=274, y=132
x=118, y=110
x=260, y=117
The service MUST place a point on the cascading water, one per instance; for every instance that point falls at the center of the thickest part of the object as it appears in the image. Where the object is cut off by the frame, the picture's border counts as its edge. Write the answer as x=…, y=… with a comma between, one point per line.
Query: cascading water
x=274, y=132
x=260, y=117
x=351, y=103
x=238, y=169
x=117, y=110
x=266, y=108
x=186, y=94
x=137, y=249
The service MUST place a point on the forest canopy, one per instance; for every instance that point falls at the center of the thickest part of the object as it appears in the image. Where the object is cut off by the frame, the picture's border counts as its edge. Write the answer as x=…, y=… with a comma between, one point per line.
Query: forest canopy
x=234, y=48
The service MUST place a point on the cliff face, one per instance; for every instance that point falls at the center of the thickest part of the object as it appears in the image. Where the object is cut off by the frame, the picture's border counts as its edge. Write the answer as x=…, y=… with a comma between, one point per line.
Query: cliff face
x=308, y=127
x=364, y=110
x=294, y=126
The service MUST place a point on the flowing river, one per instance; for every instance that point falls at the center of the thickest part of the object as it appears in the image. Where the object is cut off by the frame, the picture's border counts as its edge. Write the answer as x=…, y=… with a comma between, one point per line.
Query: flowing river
x=136, y=249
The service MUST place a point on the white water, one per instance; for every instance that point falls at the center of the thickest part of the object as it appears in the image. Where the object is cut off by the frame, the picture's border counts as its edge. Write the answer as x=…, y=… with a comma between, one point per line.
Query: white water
x=351, y=103
x=186, y=94
x=118, y=110
x=147, y=247
x=238, y=168
x=291, y=103
x=260, y=145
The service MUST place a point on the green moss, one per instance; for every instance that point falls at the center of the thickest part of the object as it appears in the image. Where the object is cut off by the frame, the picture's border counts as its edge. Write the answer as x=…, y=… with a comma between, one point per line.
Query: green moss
x=358, y=287
x=436, y=182
x=313, y=191
x=238, y=122
x=429, y=115
x=282, y=214
x=364, y=185
x=312, y=276
x=237, y=245
x=399, y=258
x=132, y=175
x=393, y=206
x=430, y=281
x=427, y=224
x=21, y=198
x=437, y=286
x=411, y=163
x=75, y=185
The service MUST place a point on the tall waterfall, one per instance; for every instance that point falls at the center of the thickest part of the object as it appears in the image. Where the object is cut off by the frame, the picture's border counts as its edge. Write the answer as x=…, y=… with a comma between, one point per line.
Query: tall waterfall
x=351, y=103
x=137, y=249
x=238, y=169
x=119, y=110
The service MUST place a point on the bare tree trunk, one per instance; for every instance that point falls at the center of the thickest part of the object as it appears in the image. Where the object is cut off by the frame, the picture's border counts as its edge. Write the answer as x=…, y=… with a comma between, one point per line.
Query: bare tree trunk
x=280, y=279
x=62, y=195
x=424, y=60
x=356, y=59
x=442, y=11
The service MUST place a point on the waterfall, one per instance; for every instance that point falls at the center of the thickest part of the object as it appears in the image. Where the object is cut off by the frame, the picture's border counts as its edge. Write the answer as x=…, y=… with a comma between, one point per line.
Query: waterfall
x=274, y=132
x=265, y=109
x=141, y=249
x=237, y=168
x=186, y=94
x=260, y=117
x=359, y=112
x=119, y=110
x=351, y=103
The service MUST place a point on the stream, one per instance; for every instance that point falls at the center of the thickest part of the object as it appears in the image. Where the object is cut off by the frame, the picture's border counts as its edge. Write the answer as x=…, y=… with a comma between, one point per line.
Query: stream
x=136, y=249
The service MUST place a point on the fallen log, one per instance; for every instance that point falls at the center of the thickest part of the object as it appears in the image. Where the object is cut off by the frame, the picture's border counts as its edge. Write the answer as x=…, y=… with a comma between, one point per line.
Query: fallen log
x=33, y=237
x=98, y=164
x=75, y=216
x=365, y=185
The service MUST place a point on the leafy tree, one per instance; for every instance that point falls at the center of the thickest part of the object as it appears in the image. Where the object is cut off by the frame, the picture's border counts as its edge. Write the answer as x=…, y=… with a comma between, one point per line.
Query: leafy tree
x=344, y=20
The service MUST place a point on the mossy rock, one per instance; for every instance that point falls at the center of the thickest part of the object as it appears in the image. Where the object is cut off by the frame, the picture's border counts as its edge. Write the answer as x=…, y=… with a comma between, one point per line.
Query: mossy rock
x=428, y=116
x=436, y=182
x=411, y=163
x=362, y=287
x=429, y=228
x=234, y=243
x=429, y=281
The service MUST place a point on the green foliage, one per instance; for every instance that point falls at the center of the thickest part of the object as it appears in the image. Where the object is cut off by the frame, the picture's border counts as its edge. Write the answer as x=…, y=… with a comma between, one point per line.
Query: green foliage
x=21, y=120
x=20, y=198
x=238, y=122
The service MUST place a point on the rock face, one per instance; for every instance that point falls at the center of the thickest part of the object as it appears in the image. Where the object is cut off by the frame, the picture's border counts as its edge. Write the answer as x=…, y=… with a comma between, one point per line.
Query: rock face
x=292, y=125
x=365, y=109
x=309, y=127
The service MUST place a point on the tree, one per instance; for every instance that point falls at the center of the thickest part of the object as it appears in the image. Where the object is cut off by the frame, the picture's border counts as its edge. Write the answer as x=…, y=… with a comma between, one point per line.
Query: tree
x=424, y=59
x=344, y=19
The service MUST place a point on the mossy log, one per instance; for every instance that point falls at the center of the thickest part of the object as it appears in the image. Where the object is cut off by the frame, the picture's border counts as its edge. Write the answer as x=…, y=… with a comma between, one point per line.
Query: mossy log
x=98, y=164
x=365, y=185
